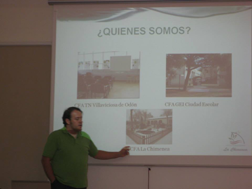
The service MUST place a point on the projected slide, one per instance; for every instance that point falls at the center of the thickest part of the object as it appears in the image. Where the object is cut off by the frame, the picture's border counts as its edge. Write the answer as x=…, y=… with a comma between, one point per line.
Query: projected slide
x=164, y=81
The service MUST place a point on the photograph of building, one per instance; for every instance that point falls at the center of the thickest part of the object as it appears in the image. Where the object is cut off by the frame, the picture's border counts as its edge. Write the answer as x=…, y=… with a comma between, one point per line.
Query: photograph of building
x=110, y=74
x=153, y=126
x=198, y=75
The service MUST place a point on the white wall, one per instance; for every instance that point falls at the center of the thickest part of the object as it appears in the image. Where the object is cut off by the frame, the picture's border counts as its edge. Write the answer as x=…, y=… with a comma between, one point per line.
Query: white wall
x=200, y=178
x=117, y=177
x=169, y=177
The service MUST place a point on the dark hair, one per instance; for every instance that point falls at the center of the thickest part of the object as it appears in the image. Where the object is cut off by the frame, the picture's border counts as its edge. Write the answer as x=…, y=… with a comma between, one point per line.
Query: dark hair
x=67, y=114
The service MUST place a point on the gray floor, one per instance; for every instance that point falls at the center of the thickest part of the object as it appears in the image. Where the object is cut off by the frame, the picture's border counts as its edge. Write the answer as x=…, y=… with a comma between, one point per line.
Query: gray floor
x=124, y=90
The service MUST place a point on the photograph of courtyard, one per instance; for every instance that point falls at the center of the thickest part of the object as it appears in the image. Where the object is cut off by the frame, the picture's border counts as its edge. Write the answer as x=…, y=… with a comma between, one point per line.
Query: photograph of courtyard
x=108, y=75
x=198, y=75
x=152, y=126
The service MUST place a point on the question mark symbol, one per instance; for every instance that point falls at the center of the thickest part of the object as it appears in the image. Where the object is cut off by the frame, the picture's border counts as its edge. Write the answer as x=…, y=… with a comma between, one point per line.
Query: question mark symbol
x=188, y=29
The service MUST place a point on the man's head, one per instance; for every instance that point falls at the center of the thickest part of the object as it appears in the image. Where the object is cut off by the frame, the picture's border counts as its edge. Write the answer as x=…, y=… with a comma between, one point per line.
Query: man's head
x=72, y=119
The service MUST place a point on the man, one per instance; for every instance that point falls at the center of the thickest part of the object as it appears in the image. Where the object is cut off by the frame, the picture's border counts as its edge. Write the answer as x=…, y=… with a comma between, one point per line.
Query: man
x=66, y=153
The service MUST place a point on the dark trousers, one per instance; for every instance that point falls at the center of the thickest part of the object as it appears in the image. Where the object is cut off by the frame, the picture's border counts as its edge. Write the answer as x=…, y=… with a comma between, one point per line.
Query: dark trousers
x=57, y=185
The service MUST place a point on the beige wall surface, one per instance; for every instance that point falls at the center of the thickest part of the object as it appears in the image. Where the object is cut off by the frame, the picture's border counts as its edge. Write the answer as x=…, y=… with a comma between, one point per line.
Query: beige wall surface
x=25, y=88
x=117, y=177
x=24, y=111
x=25, y=22
x=200, y=178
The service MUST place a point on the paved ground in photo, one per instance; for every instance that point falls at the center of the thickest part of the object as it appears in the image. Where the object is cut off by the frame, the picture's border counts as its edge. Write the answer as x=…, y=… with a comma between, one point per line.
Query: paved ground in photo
x=167, y=139
x=199, y=91
x=124, y=90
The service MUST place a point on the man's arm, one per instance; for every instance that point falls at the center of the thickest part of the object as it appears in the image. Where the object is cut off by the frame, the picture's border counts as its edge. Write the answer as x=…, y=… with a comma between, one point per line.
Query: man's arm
x=111, y=155
x=46, y=162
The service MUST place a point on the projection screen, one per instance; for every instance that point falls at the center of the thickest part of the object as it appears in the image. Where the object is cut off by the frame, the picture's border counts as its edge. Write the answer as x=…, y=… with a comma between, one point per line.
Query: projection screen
x=172, y=82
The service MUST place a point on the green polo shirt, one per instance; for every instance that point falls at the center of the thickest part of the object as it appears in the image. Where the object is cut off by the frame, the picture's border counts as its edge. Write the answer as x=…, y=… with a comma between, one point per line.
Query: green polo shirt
x=69, y=156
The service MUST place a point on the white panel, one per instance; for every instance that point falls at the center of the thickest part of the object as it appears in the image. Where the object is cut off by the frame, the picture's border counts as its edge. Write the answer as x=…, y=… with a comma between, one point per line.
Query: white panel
x=120, y=63
x=203, y=116
x=172, y=1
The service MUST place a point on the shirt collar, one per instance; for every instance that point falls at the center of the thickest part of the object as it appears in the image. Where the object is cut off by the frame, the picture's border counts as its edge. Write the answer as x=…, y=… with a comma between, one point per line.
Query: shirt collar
x=65, y=131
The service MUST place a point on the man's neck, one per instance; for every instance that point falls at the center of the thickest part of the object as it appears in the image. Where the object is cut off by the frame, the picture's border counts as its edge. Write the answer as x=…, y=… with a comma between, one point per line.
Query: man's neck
x=71, y=131
x=74, y=135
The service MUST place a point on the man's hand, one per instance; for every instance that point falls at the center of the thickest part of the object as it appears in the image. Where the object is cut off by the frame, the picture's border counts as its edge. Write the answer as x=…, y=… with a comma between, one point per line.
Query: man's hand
x=124, y=151
x=46, y=162
x=111, y=155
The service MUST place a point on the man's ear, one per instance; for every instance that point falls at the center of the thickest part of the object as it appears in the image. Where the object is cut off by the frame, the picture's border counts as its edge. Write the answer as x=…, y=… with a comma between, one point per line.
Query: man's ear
x=67, y=121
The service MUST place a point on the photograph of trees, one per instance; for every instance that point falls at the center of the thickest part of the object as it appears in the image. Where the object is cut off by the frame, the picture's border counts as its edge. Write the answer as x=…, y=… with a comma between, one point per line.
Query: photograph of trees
x=152, y=126
x=199, y=75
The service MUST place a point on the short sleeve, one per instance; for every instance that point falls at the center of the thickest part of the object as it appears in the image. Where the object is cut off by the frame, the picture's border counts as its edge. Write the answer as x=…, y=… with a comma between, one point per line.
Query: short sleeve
x=92, y=149
x=51, y=146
